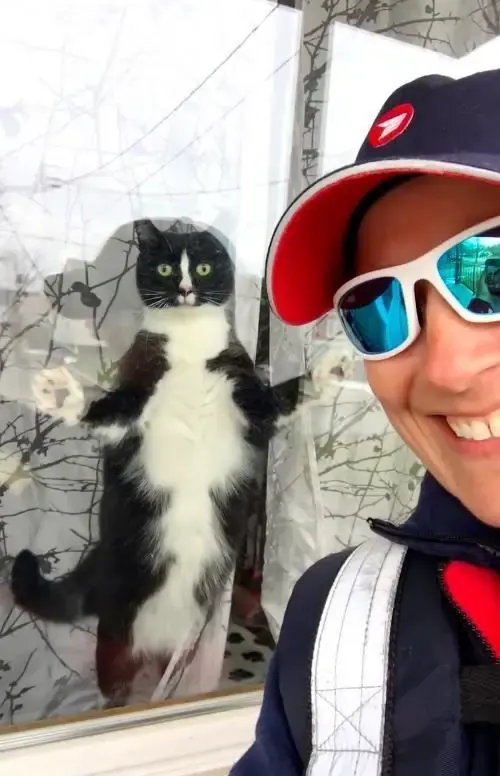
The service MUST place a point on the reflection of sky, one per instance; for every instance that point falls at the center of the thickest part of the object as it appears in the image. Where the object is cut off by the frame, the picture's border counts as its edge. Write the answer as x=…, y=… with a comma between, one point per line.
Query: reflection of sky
x=365, y=68
x=488, y=242
x=117, y=98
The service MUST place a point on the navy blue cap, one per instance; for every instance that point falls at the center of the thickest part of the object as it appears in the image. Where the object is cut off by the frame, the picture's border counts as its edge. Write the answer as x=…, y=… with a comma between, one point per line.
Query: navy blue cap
x=435, y=125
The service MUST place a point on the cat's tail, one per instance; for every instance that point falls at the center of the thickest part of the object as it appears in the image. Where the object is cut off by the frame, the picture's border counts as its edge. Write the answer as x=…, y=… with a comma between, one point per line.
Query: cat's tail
x=61, y=600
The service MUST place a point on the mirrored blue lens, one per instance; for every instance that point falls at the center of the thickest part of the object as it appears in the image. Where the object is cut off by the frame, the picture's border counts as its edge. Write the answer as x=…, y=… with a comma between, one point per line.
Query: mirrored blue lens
x=471, y=272
x=374, y=315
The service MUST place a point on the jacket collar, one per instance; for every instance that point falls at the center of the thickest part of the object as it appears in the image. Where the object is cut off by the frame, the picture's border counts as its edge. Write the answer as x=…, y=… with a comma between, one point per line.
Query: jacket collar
x=441, y=525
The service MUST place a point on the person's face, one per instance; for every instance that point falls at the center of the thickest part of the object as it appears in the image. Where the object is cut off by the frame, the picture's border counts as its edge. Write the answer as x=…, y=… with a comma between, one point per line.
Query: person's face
x=451, y=373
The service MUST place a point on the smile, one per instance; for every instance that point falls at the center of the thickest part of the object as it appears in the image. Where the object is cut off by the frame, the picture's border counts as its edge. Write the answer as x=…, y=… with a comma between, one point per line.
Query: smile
x=477, y=429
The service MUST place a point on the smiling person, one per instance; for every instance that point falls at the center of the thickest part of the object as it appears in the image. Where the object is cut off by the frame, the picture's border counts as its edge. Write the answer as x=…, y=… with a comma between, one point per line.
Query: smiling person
x=388, y=661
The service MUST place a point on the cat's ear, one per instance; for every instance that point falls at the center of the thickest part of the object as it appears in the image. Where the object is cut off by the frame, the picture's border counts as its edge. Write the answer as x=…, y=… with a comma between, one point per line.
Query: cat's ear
x=147, y=234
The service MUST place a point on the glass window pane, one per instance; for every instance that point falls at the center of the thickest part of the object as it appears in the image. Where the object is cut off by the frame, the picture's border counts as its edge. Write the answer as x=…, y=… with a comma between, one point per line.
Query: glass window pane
x=143, y=167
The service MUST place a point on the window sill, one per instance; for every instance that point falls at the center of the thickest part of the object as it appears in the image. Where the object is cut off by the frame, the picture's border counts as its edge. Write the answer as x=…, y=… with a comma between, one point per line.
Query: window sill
x=193, y=739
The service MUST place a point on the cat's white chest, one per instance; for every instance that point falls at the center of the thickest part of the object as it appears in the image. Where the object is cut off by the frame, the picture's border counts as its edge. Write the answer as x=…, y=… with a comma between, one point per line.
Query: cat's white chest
x=193, y=442
x=193, y=433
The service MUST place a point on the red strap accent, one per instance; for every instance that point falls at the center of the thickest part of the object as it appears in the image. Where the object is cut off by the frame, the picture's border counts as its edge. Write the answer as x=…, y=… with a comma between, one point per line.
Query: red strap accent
x=476, y=593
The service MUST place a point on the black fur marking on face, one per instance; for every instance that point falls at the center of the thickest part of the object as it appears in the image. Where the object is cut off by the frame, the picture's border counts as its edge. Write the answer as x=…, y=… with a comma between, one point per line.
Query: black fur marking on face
x=177, y=268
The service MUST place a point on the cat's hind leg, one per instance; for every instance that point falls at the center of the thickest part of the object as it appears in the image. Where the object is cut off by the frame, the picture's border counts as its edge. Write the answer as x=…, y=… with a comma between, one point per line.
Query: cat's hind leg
x=123, y=676
x=116, y=666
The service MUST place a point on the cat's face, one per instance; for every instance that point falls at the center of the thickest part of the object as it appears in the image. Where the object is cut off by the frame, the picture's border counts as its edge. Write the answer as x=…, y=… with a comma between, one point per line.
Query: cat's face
x=181, y=269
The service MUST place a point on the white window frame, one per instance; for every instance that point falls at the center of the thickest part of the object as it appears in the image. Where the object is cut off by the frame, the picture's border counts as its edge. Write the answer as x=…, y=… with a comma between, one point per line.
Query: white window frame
x=197, y=737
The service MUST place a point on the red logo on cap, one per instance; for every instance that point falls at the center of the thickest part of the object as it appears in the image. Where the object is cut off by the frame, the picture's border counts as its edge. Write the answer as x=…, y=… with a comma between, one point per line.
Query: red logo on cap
x=391, y=125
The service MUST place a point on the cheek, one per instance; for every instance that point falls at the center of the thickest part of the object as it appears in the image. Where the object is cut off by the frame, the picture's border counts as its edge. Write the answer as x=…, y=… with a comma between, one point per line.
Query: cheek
x=391, y=382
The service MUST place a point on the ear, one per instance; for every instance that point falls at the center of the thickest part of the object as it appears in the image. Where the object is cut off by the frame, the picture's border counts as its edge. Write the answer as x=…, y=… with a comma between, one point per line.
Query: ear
x=148, y=235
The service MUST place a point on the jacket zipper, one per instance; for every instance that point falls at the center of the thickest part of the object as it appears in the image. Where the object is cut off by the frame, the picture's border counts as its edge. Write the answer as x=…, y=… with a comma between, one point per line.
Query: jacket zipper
x=394, y=532
x=383, y=528
x=379, y=526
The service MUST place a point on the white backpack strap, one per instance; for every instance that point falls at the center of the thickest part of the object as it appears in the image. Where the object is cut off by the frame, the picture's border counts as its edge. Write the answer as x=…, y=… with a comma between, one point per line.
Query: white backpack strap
x=350, y=663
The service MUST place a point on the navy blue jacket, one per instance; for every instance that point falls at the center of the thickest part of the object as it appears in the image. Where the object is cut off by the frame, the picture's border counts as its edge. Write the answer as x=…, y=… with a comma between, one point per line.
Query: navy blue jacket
x=440, y=531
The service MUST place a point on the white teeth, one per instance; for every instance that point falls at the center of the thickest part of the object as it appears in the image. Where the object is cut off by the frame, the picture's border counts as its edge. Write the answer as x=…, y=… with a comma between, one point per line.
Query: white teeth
x=494, y=424
x=475, y=428
x=460, y=429
x=480, y=430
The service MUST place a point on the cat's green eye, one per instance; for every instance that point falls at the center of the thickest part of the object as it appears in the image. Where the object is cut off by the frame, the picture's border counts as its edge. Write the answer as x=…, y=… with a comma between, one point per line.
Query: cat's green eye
x=203, y=270
x=165, y=270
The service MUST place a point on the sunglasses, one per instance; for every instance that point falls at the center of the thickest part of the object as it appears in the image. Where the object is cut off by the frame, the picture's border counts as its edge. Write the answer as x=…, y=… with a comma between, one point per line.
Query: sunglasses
x=379, y=312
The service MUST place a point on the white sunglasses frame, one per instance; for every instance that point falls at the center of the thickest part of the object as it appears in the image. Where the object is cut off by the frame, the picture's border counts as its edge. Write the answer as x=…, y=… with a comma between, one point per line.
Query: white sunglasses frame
x=423, y=268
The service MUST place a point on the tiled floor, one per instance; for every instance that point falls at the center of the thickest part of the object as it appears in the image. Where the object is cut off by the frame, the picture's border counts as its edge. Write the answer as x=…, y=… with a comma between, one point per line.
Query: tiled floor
x=247, y=657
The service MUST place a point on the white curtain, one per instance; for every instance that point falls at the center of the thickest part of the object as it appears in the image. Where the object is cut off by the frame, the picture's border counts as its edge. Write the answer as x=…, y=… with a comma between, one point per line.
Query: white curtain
x=343, y=463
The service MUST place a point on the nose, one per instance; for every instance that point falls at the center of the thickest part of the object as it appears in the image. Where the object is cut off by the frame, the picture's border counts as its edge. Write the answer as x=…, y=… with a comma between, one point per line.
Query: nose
x=457, y=352
x=185, y=289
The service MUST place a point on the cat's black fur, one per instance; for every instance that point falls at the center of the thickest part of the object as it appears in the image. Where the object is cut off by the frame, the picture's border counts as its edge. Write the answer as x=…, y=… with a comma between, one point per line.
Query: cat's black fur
x=119, y=574
x=168, y=246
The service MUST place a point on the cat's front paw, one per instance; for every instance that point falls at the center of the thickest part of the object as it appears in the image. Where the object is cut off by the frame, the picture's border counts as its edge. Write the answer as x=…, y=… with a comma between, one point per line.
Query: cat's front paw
x=57, y=393
x=334, y=366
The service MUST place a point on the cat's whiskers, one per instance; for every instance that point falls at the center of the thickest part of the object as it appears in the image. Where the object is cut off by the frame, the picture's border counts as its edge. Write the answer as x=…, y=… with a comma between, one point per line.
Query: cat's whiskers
x=213, y=297
x=156, y=300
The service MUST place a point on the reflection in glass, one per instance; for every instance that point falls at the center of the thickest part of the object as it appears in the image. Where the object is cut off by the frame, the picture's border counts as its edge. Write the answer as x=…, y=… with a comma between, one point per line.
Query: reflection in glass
x=471, y=272
x=375, y=314
x=180, y=426
x=110, y=126
x=182, y=419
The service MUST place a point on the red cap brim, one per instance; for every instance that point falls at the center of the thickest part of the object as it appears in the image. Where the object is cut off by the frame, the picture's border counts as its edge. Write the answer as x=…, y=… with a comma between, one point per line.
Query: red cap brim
x=305, y=261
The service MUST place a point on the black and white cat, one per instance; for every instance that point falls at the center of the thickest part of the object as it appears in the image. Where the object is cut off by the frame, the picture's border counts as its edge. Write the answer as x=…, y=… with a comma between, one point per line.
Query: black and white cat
x=180, y=432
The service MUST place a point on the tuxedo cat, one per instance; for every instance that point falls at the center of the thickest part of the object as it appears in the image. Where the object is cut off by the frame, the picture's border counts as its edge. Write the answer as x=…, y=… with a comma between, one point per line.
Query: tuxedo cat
x=180, y=432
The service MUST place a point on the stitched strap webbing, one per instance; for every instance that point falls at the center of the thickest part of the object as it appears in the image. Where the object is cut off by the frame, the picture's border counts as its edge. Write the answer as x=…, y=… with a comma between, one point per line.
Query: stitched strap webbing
x=350, y=664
